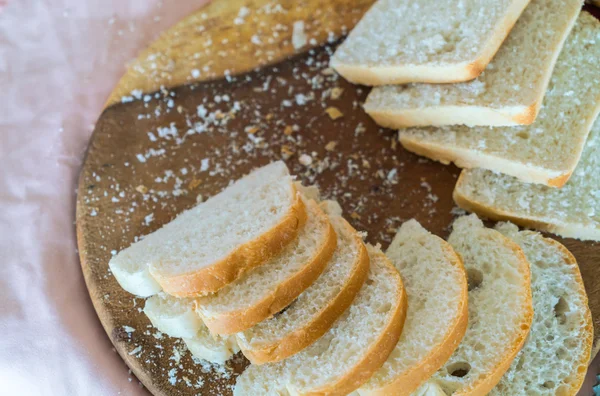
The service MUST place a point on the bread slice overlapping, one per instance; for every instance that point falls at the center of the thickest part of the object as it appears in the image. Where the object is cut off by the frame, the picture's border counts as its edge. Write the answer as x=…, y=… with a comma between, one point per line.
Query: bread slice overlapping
x=572, y=211
x=177, y=317
x=214, y=243
x=500, y=310
x=348, y=354
x=555, y=356
x=545, y=152
x=268, y=289
x=443, y=41
x=437, y=316
x=508, y=92
x=317, y=308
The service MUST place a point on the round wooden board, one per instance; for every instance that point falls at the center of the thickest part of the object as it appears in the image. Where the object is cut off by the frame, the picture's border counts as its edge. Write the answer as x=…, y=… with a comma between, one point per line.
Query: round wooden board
x=151, y=158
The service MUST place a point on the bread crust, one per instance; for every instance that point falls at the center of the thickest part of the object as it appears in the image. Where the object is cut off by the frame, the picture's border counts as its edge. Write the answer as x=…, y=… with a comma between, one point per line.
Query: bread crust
x=379, y=351
x=305, y=336
x=410, y=380
x=452, y=115
x=470, y=159
x=578, y=231
x=243, y=258
x=285, y=293
x=487, y=383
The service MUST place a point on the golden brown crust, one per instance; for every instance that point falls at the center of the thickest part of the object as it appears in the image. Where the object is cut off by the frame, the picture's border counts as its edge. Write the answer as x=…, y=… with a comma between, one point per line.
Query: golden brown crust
x=243, y=258
x=284, y=294
x=529, y=115
x=379, y=351
x=487, y=383
x=302, y=338
x=410, y=380
x=560, y=180
x=470, y=158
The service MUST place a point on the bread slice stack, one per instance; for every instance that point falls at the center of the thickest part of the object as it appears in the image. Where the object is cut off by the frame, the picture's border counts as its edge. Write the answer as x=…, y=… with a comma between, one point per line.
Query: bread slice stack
x=329, y=315
x=519, y=128
x=508, y=92
x=211, y=245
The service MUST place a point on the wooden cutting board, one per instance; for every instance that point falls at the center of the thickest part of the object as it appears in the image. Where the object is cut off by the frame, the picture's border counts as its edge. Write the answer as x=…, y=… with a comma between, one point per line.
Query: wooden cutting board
x=175, y=130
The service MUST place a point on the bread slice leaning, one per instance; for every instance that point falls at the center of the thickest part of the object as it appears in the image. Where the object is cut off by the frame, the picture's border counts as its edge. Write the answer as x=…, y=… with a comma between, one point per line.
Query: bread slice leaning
x=500, y=310
x=214, y=243
x=508, y=92
x=268, y=289
x=350, y=352
x=541, y=152
x=572, y=211
x=437, y=316
x=177, y=318
x=317, y=308
x=555, y=356
x=443, y=41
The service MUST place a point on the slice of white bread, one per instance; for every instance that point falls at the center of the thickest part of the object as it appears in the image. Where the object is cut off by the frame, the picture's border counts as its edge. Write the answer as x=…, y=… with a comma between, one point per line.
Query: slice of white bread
x=401, y=41
x=177, y=317
x=508, y=92
x=268, y=289
x=354, y=348
x=437, y=316
x=572, y=211
x=542, y=152
x=212, y=348
x=316, y=309
x=212, y=244
x=174, y=316
x=500, y=309
x=555, y=356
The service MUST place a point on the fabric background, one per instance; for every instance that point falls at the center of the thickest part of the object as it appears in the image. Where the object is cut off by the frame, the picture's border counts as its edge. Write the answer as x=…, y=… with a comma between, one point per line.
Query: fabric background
x=59, y=60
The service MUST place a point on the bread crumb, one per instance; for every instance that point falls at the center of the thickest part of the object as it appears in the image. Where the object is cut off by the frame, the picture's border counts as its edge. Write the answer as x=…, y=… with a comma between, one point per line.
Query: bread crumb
x=334, y=113
x=194, y=183
x=286, y=151
x=336, y=93
x=355, y=216
x=288, y=130
x=251, y=129
x=331, y=145
x=141, y=189
x=305, y=159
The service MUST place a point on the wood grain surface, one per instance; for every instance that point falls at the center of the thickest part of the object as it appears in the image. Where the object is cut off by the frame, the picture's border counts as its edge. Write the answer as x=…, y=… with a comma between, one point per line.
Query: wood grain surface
x=156, y=155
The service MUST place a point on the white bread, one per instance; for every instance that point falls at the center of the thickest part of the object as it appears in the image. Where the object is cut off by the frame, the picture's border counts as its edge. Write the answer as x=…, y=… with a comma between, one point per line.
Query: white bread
x=437, y=316
x=212, y=244
x=215, y=349
x=541, y=152
x=175, y=317
x=400, y=41
x=354, y=348
x=500, y=309
x=268, y=289
x=572, y=211
x=555, y=356
x=316, y=309
x=508, y=92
